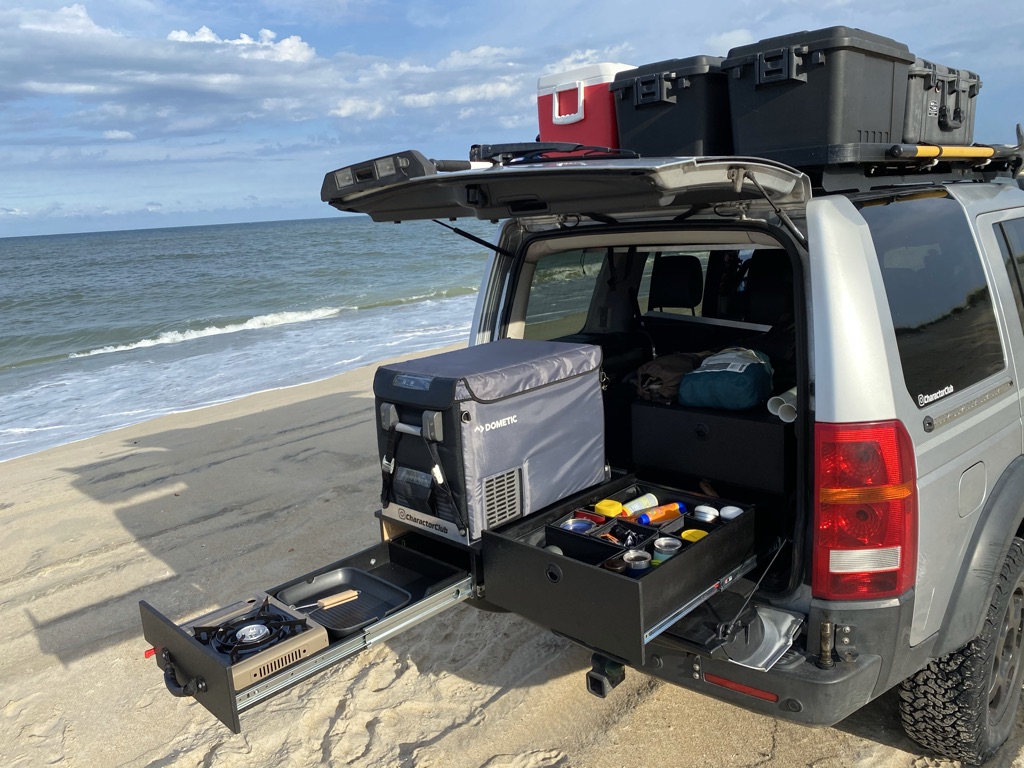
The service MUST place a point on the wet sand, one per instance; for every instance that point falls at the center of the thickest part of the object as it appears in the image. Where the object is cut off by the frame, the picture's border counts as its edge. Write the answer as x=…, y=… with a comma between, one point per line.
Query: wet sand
x=194, y=511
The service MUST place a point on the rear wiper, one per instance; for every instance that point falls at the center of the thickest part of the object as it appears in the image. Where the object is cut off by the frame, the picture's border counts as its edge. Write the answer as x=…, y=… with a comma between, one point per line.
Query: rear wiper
x=478, y=240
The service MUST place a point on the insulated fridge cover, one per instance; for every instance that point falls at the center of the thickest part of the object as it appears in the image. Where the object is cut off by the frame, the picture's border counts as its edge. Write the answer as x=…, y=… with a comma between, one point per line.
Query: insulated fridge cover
x=514, y=425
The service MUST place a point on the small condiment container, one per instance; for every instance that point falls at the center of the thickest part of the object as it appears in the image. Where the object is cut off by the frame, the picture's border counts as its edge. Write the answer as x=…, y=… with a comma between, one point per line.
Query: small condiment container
x=730, y=512
x=664, y=548
x=693, y=534
x=637, y=561
x=608, y=508
x=616, y=564
x=585, y=514
x=579, y=525
x=705, y=513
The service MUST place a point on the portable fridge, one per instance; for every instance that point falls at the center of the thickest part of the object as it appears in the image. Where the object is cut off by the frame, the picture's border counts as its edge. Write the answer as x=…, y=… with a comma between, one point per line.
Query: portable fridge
x=473, y=438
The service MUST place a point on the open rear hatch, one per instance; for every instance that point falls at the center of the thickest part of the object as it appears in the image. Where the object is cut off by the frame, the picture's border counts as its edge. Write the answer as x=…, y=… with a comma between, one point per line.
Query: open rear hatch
x=407, y=186
x=233, y=658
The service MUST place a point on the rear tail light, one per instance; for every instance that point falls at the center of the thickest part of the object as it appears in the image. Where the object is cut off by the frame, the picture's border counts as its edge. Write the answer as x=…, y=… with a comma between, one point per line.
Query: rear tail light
x=865, y=515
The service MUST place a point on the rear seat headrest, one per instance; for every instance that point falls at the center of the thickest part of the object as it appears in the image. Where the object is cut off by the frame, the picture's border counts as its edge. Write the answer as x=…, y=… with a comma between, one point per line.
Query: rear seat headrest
x=676, y=281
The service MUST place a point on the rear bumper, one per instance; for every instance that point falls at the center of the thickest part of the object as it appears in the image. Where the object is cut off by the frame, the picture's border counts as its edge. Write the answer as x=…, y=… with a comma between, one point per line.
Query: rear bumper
x=875, y=656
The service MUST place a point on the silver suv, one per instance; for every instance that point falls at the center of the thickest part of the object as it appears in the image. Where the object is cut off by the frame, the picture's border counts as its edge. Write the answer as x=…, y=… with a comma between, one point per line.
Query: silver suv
x=888, y=532
x=875, y=533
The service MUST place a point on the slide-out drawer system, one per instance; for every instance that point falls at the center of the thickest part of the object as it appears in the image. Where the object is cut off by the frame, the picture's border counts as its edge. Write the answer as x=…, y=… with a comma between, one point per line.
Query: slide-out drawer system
x=231, y=659
x=564, y=579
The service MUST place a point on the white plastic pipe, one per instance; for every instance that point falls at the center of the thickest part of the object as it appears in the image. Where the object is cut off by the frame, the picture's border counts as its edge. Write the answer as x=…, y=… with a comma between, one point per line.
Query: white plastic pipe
x=788, y=412
x=775, y=403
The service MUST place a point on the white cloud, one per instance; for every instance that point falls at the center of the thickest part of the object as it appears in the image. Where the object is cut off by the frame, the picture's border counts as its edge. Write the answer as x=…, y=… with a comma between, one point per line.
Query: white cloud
x=495, y=89
x=292, y=48
x=483, y=56
x=368, y=109
x=119, y=135
x=582, y=58
x=66, y=89
x=70, y=20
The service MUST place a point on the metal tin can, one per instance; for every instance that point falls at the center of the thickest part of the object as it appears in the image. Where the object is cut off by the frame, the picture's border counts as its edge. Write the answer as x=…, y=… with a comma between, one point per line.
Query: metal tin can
x=579, y=525
x=637, y=561
x=616, y=564
x=664, y=548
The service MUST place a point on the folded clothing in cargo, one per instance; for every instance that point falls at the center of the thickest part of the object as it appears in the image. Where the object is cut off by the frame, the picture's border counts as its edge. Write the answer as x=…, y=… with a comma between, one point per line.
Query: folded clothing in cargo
x=473, y=438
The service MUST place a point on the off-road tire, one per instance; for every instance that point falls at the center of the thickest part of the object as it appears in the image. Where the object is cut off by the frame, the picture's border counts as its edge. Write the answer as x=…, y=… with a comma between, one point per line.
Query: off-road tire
x=964, y=705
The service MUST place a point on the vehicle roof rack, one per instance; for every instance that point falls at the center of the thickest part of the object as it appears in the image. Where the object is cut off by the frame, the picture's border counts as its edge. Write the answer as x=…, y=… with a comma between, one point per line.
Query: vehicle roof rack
x=536, y=151
x=860, y=167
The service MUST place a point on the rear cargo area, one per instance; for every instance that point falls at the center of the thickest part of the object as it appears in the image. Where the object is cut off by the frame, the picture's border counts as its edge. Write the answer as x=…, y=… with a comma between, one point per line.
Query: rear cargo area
x=654, y=302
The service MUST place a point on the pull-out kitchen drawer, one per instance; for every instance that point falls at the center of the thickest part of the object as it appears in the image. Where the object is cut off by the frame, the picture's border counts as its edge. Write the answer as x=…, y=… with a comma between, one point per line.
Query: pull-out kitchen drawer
x=231, y=659
x=561, y=579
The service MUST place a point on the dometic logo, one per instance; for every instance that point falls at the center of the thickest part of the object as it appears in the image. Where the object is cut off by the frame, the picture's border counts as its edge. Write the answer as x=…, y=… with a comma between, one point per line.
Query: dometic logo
x=497, y=424
x=925, y=399
x=409, y=517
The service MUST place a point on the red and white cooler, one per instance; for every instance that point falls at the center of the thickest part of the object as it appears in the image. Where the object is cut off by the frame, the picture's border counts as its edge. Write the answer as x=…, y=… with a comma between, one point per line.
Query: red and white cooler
x=578, y=106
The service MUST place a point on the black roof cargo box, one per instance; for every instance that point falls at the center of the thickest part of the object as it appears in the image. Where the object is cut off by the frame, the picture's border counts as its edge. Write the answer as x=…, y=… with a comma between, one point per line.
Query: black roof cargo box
x=831, y=86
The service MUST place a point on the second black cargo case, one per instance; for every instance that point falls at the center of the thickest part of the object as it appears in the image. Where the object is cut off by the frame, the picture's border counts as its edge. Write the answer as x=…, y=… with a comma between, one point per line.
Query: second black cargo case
x=674, y=108
x=837, y=85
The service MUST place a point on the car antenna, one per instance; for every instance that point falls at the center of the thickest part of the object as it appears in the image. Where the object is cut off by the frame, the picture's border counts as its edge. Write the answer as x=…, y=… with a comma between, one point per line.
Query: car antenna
x=474, y=238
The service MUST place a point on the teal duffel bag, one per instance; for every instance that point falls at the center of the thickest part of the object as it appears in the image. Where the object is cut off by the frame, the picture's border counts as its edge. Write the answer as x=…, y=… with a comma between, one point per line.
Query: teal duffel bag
x=735, y=378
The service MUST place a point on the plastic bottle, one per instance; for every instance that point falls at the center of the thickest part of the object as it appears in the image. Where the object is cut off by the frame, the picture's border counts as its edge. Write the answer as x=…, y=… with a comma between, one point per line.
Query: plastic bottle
x=661, y=514
x=640, y=503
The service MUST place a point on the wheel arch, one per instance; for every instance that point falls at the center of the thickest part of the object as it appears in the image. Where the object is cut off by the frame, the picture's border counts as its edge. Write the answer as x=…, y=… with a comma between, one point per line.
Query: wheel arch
x=1001, y=519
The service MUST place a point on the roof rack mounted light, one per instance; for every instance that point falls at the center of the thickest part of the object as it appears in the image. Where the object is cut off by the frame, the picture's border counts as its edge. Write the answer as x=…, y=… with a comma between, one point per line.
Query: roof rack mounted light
x=378, y=172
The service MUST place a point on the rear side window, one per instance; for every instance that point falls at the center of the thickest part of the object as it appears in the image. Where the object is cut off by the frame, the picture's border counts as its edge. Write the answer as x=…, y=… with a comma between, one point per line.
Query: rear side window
x=939, y=299
x=1010, y=235
x=563, y=285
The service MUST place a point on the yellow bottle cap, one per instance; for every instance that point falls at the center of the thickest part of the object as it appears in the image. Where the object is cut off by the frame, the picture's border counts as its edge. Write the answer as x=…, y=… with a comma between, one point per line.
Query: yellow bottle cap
x=608, y=508
x=693, y=534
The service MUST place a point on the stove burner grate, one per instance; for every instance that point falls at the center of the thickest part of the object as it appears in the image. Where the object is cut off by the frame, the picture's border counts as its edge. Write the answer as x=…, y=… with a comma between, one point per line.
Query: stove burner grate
x=251, y=632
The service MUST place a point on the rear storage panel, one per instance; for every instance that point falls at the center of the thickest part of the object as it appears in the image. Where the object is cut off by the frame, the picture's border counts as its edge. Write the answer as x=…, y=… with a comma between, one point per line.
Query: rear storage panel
x=750, y=449
x=568, y=581
x=940, y=104
x=837, y=85
x=678, y=107
x=576, y=106
x=516, y=425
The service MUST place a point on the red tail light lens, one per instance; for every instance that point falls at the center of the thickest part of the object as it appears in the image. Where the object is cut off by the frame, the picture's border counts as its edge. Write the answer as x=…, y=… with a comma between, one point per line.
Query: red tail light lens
x=865, y=536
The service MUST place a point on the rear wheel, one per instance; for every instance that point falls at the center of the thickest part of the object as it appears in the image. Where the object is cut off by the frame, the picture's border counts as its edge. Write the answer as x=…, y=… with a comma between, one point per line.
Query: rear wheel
x=964, y=705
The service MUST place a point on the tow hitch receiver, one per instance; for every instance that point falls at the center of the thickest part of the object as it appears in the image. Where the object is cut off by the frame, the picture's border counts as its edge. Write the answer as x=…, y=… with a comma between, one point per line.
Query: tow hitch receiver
x=605, y=675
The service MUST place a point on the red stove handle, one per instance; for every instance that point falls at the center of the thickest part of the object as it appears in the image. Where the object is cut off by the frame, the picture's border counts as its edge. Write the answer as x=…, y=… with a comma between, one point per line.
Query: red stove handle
x=191, y=688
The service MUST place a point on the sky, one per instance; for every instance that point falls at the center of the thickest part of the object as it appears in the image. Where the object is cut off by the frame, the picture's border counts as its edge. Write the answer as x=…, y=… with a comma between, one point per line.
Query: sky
x=125, y=114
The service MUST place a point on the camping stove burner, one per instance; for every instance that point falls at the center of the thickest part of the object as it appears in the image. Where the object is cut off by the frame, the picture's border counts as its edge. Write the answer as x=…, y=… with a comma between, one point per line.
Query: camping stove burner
x=251, y=632
x=257, y=638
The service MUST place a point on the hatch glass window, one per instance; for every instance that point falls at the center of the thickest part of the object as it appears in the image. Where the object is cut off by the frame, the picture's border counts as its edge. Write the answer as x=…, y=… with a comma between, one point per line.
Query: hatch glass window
x=938, y=296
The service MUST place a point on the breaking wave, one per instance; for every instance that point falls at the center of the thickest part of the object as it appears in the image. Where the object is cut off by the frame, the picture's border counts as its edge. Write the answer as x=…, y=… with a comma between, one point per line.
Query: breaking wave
x=255, y=323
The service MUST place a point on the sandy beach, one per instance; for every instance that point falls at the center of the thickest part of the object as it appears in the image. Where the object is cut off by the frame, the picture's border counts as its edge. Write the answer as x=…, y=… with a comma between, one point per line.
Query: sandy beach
x=196, y=510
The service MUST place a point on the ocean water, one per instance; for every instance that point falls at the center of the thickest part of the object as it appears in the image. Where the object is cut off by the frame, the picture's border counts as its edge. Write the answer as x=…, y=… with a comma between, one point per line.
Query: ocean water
x=102, y=330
